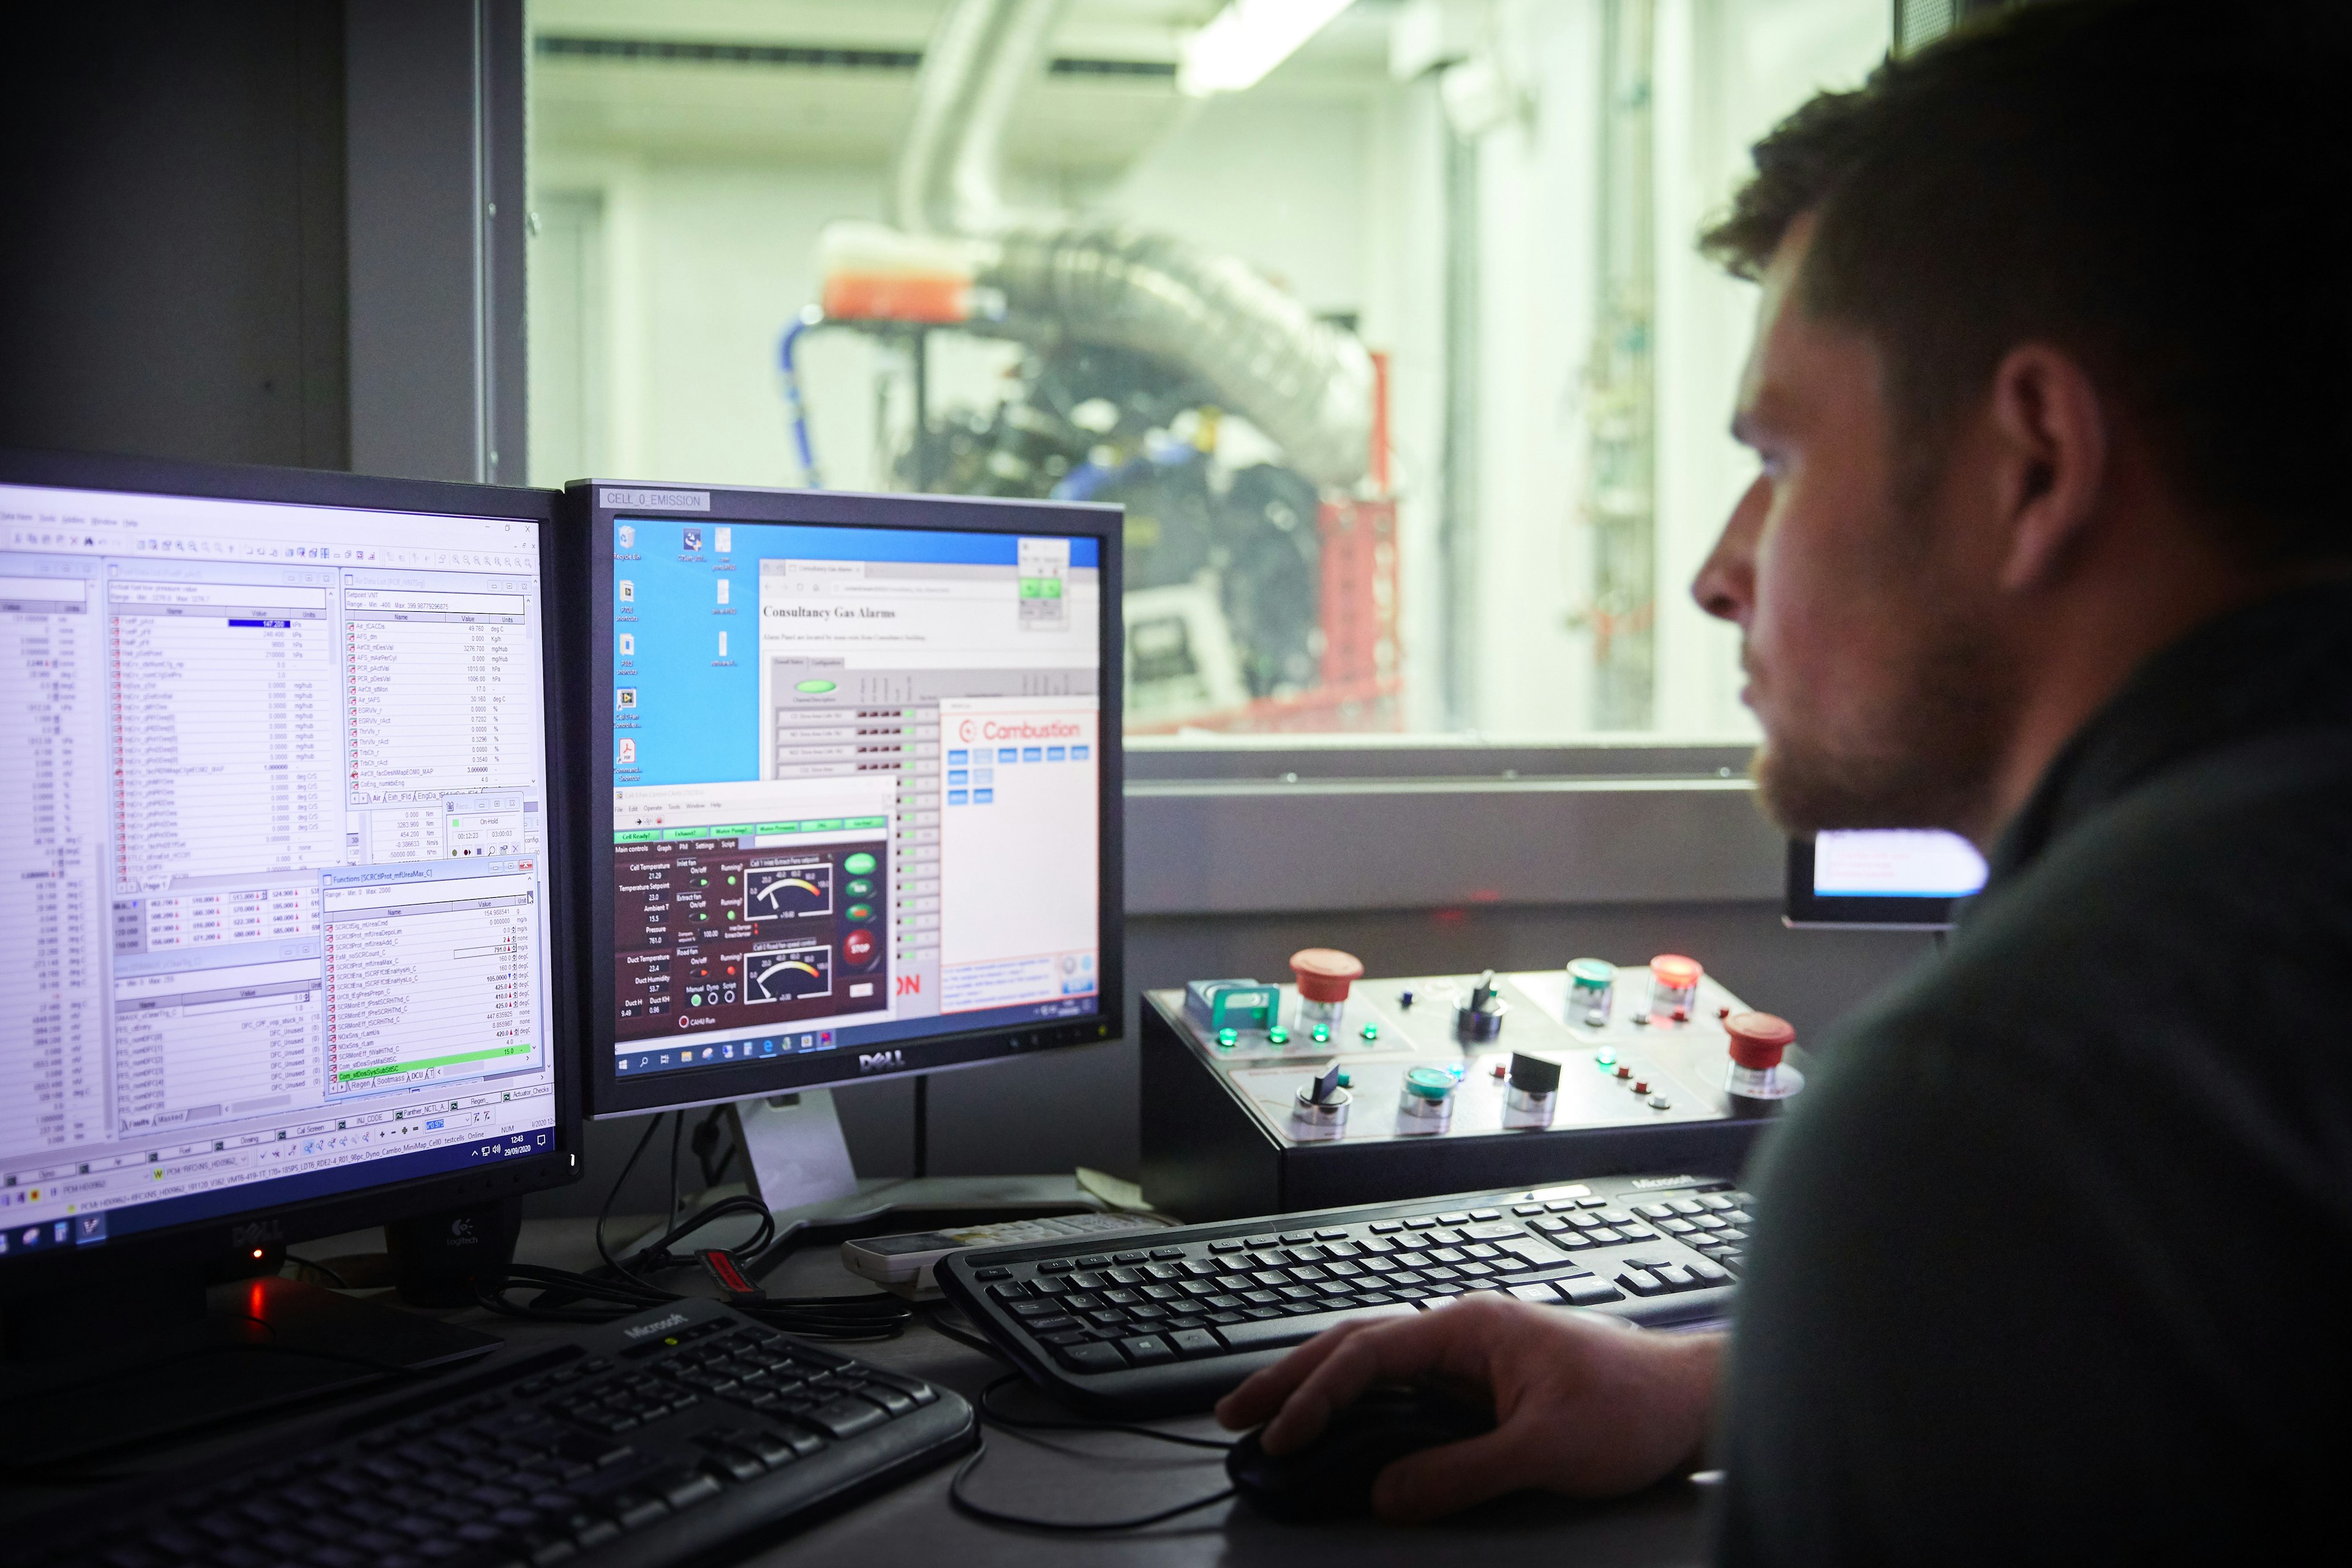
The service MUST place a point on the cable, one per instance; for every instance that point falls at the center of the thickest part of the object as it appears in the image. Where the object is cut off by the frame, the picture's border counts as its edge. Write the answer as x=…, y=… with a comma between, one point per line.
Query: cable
x=676, y=1126
x=988, y=1410
x=989, y=1414
x=922, y=1124
x=605, y=1212
x=339, y=1283
x=963, y=1334
x=964, y=1505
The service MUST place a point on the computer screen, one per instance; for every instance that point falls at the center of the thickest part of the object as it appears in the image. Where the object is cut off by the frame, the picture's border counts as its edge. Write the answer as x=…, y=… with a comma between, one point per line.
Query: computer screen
x=1900, y=877
x=861, y=806
x=276, y=892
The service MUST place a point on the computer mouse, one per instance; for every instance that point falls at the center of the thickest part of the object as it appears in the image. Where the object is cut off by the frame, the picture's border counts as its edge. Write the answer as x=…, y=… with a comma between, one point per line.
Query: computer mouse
x=1331, y=1477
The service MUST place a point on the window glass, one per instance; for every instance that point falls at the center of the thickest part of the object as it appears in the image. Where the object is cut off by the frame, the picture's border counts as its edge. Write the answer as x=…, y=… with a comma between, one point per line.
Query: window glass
x=1381, y=319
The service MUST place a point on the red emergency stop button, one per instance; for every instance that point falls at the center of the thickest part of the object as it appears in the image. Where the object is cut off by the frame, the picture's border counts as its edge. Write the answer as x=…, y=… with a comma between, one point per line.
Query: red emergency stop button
x=1325, y=972
x=1759, y=1039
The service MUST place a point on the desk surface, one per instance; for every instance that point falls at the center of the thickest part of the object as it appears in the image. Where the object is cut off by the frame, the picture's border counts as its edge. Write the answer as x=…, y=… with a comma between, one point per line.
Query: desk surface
x=1108, y=1475
x=1084, y=1475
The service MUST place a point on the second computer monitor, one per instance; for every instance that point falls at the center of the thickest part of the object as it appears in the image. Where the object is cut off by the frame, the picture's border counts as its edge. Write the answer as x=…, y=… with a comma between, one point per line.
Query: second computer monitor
x=859, y=811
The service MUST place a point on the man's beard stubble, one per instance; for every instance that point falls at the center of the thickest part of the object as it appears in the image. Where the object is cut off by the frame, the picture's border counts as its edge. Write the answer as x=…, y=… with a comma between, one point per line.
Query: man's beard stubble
x=1926, y=761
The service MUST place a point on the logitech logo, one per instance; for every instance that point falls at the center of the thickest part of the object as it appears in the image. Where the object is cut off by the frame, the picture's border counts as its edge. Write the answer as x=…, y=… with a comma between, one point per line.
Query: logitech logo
x=1646, y=1182
x=881, y=1061
x=674, y=1320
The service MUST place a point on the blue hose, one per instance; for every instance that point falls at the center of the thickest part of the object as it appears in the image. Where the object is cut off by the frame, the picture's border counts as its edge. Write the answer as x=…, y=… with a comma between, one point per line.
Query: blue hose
x=796, y=406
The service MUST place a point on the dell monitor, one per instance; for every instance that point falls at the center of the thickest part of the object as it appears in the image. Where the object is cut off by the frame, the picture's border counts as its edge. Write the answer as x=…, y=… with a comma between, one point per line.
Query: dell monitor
x=1892, y=880
x=856, y=803
x=286, y=956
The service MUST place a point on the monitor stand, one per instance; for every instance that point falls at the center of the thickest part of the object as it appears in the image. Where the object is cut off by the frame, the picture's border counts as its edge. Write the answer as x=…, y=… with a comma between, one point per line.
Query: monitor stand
x=800, y=1168
x=144, y=1361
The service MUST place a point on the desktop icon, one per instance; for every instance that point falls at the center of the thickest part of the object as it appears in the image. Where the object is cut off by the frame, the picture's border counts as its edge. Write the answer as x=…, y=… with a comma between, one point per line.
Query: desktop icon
x=625, y=536
x=626, y=590
x=625, y=645
x=627, y=750
x=692, y=539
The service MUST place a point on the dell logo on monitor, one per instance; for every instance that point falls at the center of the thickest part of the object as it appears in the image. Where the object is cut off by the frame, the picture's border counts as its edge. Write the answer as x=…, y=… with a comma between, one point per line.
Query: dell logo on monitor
x=879, y=1061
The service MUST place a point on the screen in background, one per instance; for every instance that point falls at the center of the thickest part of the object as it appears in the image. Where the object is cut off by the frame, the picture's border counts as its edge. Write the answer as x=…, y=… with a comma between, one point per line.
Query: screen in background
x=1896, y=864
x=274, y=858
x=857, y=788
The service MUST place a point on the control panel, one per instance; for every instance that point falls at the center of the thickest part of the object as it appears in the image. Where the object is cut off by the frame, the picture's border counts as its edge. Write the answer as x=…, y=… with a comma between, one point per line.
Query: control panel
x=1592, y=1068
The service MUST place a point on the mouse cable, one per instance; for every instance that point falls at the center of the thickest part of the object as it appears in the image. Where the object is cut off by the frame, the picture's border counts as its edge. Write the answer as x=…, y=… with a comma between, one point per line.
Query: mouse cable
x=958, y=1328
x=988, y=1410
x=986, y=1515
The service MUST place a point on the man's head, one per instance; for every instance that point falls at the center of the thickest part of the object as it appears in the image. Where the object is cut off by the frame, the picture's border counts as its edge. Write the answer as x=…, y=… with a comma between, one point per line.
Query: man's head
x=2053, y=360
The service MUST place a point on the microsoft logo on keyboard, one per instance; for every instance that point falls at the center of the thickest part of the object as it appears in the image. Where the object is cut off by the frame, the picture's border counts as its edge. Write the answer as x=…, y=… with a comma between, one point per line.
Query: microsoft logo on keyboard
x=676, y=1320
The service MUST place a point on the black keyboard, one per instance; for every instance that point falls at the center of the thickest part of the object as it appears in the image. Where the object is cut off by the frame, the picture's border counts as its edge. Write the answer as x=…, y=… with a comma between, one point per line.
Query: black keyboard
x=663, y=1438
x=1173, y=1325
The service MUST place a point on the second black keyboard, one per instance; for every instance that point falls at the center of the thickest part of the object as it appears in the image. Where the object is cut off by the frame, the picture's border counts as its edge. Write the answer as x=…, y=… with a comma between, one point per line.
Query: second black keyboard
x=1176, y=1319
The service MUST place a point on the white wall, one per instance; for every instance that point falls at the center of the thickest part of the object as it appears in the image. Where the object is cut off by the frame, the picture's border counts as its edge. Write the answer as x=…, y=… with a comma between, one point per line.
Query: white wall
x=1727, y=70
x=1537, y=278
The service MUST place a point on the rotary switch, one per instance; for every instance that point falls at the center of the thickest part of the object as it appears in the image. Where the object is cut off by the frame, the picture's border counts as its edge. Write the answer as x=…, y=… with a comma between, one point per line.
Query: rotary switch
x=1480, y=1019
x=1324, y=974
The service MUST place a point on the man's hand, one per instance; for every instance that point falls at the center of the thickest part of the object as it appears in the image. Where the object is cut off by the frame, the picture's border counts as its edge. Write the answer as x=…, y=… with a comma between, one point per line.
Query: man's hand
x=1583, y=1404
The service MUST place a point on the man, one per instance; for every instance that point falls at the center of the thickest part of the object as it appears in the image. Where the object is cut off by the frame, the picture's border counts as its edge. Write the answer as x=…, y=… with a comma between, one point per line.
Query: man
x=2053, y=391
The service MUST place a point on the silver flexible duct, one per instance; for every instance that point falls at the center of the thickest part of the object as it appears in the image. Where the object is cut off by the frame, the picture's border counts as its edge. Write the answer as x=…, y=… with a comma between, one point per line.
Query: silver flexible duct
x=1307, y=385
x=948, y=175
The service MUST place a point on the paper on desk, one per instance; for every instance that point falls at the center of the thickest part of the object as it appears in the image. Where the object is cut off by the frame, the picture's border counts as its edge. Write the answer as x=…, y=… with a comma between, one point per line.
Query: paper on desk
x=1123, y=1196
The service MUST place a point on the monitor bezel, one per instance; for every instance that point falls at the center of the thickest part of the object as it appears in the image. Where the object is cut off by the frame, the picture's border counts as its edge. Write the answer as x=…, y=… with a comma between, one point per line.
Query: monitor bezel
x=1805, y=910
x=608, y=1094
x=222, y=1239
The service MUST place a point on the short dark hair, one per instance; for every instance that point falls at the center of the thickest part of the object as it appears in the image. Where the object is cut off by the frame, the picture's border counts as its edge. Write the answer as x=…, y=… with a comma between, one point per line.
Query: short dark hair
x=2162, y=188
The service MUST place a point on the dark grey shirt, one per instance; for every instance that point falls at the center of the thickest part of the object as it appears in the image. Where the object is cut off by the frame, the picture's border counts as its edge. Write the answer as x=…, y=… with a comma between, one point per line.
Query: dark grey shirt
x=2055, y=1258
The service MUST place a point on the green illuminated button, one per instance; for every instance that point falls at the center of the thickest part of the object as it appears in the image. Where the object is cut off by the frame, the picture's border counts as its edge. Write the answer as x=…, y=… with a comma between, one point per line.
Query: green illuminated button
x=1346, y=1081
x=860, y=865
x=821, y=824
x=1278, y=1036
x=1428, y=1083
x=779, y=828
x=868, y=822
x=860, y=888
x=1607, y=1058
x=638, y=836
x=814, y=688
x=1372, y=1031
x=1226, y=1038
x=694, y=999
x=861, y=912
x=1321, y=1033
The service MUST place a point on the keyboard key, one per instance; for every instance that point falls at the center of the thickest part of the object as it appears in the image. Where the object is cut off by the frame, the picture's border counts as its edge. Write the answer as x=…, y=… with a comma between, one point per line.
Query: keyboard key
x=1453, y=1218
x=1331, y=1235
x=1092, y=1356
x=1226, y=1245
x=1387, y=1226
x=1640, y=1282
x=994, y=1271
x=1146, y=1350
x=1484, y=1215
x=1710, y=1274
x=845, y=1416
x=1165, y=1253
x=1589, y=1292
x=1195, y=1342
x=1276, y=1332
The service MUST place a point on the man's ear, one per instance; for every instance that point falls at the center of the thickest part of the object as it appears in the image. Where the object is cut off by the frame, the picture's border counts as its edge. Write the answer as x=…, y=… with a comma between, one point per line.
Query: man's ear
x=2051, y=446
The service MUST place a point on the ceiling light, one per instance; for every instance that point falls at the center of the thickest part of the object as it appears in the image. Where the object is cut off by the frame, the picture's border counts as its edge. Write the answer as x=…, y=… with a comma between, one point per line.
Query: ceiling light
x=1248, y=38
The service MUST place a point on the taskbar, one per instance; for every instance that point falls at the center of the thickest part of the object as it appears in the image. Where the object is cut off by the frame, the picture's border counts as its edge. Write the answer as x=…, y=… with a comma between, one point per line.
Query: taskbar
x=778, y=1044
x=95, y=1227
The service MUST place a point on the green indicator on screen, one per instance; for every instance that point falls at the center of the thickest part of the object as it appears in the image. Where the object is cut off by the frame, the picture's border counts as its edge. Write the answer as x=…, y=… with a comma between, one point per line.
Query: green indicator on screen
x=780, y=827
x=860, y=865
x=638, y=836
x=860, y=888
x=814, y=688
x=861, y=913
x=868, y=822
